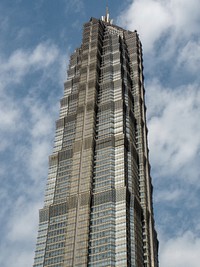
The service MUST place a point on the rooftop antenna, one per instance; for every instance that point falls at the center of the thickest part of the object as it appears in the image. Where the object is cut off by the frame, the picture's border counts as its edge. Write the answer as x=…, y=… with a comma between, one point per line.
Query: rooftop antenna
x=107, y=14
x=106, y=18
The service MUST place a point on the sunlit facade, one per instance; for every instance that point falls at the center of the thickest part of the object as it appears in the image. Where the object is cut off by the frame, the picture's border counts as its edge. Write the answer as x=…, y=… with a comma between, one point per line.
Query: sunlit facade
x=98, y=202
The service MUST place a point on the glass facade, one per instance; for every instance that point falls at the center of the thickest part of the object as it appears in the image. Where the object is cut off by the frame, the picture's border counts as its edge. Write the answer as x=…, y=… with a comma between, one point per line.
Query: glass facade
x=98, y=201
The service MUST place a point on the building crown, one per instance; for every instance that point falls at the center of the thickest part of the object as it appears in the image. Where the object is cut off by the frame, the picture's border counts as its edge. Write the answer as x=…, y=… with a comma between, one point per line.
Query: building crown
x=106, y=18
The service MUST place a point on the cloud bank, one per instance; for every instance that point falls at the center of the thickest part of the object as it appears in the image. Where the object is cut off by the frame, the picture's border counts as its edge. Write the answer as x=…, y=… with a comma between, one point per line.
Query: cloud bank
x=169, y=31
x=28, y=112
x=174, y=20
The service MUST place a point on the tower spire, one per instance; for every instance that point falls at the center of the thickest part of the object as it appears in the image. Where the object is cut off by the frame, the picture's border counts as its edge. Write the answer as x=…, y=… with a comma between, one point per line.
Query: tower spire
x=106, y=18
x=107, y=14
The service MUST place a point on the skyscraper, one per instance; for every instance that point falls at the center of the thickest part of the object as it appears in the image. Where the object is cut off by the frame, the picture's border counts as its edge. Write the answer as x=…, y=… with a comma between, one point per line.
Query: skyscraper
x=98, y=201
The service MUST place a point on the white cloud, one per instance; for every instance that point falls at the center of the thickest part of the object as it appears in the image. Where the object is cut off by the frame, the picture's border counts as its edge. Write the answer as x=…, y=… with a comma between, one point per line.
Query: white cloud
x=173, y=129
x=20, y=236
x=149, y=17
x=23, y=214
x=153, y=19
x=17, y=256
x=28, y=112
x=21, y=62
x=170, y=30
x=40, y=117
x=45, y=58
x=40, y=129
x=9, y=114
x=189, y=57
x=19, y=226
x=180, y=251
x=168, y=195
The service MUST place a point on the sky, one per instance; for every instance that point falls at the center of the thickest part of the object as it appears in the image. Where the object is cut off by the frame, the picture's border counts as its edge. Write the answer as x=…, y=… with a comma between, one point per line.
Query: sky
x=36, y=40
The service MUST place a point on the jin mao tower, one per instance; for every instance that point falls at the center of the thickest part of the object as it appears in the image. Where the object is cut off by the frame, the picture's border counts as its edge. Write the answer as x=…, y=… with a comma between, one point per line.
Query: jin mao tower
x=98, y=202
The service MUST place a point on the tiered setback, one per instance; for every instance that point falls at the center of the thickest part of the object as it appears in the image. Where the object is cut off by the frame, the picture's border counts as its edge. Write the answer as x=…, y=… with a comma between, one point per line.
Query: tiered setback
x=98, y=202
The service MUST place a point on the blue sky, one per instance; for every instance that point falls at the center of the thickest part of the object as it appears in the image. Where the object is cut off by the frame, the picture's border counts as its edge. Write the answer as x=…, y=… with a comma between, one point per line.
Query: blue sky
x=37, y=38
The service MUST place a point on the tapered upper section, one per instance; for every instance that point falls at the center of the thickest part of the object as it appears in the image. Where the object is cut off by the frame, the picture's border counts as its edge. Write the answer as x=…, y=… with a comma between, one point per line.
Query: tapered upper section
x=98, y=204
